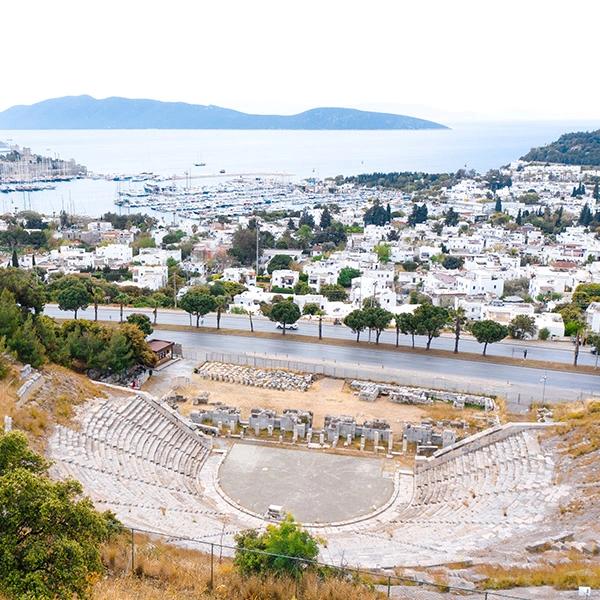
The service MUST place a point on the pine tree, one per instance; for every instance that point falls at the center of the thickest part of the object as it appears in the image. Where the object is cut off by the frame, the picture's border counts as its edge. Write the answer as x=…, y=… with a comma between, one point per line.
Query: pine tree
x=498, y=207
x=388, y=209
x=519, y=219
x=325, y=219
x=596, y=192
x=15, y=259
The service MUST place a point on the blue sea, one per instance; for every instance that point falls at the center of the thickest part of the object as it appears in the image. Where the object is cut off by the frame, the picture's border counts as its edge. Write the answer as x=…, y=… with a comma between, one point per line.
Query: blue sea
x=291, y=154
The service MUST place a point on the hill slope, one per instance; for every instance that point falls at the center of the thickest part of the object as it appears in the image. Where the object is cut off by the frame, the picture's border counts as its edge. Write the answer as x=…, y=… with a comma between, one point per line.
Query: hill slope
x=578, y=148
x=85, y=112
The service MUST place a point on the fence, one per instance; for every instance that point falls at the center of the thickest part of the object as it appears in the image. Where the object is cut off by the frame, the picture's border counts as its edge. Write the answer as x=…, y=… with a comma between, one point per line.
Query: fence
x=518, y=400
x=215, y=553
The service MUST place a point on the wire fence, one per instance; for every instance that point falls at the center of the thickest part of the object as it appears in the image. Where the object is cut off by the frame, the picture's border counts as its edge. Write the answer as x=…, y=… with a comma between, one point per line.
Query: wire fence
x=388, y=583
x=518, y=397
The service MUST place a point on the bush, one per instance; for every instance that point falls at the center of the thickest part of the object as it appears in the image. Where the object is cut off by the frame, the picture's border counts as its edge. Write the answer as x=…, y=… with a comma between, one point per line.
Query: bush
x=544, y=333
x=282, y=549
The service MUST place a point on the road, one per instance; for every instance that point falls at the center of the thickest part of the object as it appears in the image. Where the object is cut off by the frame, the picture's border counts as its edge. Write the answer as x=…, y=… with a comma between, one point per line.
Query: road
x=520, y=385
x=550, y=351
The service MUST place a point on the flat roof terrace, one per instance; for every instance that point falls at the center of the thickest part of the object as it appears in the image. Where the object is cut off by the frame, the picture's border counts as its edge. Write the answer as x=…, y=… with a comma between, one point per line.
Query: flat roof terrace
x=315, y=487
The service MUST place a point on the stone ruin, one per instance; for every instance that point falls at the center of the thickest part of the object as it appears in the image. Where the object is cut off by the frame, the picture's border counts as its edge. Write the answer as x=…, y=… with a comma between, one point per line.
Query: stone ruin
x=266, y=378
x=299, y=422
x=219, y=415
x=425, y=435
x=370, y=391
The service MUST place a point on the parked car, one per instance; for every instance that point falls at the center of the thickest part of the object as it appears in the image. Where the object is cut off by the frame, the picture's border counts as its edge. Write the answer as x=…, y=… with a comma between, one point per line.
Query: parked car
x=293, y=326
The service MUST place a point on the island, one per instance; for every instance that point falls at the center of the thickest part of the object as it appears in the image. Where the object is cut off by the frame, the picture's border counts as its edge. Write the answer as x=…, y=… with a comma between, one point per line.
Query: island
x=85, y=112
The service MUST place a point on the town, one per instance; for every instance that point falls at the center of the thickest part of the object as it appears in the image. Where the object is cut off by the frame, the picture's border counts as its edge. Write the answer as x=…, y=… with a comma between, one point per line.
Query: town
x=516, y=247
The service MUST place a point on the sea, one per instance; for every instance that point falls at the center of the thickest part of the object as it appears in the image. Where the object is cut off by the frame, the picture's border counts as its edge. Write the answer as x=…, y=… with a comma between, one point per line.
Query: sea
x=290, y=155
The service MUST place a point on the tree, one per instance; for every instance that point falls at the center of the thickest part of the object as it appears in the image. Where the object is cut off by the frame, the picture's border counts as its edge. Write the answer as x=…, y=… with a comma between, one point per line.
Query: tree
x=197, y=303
x=27, y=345
x=142, y=321
x=282, y=549
x=122, y=299
x=430, y=320
x=285, y=312
x=384, y=252
x=14, y=261
x=306, y=219
x=356, y=322
x=27, y=289
x=544, y=334
x=243, y=246
x=73, y=297
x=304, y=235
x=458, y=317
x=377, y=319
x=325, y=221
x=312, y=308
x=498, y=206
x=376, y=214
x=279, y=261
x=451, y=217
x=221, y=304
x=334, y=292
x=452, y=262
x=596, y=191
x=50, y=536
x=347, y=274
x=521, y=326
x=418, y=215
x=408, y=325
x=488, y=332
x=98, y=296
x=10, y=315
x=118, y=355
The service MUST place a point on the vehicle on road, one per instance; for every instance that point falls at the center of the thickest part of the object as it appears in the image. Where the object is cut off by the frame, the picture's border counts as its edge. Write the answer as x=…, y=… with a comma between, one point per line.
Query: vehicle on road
x=293, y=326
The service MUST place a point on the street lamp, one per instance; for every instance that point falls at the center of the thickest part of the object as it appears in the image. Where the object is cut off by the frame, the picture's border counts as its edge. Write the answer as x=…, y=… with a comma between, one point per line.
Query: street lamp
x=543, y=380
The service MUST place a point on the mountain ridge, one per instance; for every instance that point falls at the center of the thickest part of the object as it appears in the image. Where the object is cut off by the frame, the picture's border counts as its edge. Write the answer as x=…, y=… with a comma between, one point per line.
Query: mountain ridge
x=86, y=112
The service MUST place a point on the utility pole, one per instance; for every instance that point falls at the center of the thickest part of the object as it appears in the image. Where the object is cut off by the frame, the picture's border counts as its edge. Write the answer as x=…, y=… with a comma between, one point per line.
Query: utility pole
x=256, y=221
x=174, y=290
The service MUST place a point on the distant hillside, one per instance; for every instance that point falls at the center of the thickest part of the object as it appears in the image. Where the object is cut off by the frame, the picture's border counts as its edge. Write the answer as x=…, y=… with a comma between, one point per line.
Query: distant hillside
x=579, y=148
x=85, y=112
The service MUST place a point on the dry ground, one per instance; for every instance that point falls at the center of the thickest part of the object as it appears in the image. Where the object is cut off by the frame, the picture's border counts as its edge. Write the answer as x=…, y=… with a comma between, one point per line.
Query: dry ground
x=326, y=396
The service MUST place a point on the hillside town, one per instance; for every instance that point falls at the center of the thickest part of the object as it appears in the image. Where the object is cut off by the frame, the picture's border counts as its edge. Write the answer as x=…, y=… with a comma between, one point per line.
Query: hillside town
x=514, y=244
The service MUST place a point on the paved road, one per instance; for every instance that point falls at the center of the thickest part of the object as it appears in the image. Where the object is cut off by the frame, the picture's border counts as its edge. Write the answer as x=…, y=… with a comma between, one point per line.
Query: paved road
x=520, y=385
x=550, y=351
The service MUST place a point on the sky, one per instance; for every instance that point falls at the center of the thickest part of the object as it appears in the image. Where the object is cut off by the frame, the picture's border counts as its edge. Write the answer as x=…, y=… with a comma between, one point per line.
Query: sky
x=441, y=59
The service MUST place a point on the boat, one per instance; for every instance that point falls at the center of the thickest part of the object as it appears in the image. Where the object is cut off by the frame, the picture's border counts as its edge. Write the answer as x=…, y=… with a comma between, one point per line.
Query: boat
x=222, y=171
x=200, y=164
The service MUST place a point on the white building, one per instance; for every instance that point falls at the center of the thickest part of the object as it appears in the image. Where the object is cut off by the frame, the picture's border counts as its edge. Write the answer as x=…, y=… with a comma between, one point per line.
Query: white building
x=284, y=278
x=480, y=282
x=150, y=276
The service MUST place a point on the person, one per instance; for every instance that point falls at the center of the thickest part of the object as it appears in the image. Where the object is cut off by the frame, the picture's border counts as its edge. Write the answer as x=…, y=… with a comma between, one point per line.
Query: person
x=525, y=354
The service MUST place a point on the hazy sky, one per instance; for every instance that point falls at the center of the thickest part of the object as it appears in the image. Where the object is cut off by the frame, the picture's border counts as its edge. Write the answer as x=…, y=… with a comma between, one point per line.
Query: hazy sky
x=433, y=58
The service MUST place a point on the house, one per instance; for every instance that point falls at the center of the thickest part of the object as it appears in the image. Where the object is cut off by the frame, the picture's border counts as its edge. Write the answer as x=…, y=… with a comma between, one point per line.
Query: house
x=153, y=277
x=162, y=350
x=480, y=282
x=592, y=316
x=553, y=322
x=284, y=278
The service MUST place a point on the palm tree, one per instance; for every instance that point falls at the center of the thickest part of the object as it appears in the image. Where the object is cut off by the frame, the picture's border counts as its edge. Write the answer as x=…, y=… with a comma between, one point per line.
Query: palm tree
x=98, y=296
x=122, y=299
x=459, y=318
x=221, y=304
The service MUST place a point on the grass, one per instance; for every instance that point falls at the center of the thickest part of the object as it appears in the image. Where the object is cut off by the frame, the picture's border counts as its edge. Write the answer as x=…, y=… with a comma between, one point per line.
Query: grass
x=169, y=572
x=581, y=432
x=564, y=575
